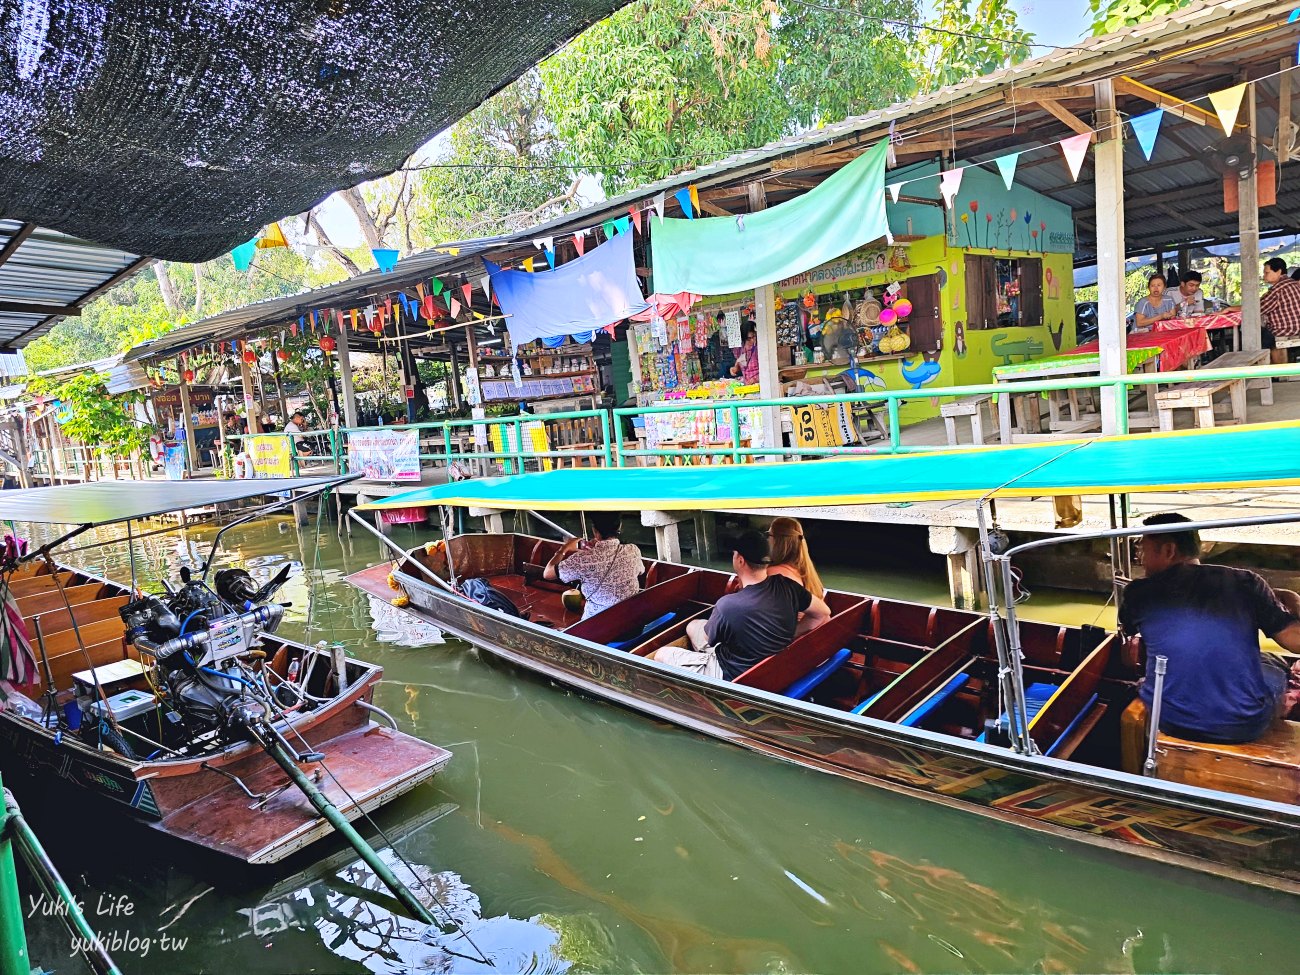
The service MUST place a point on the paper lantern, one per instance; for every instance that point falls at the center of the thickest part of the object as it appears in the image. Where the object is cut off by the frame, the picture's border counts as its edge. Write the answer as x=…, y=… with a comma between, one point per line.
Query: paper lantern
x=282, y=355
x=888, y=316
x=903, y=307
x=250, y=356
x=377, y=327
x=188, y=375
x=327, y=343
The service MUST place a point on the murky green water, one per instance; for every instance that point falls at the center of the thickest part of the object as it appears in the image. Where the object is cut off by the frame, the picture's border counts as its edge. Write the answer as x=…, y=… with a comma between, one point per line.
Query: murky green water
x=570, y=835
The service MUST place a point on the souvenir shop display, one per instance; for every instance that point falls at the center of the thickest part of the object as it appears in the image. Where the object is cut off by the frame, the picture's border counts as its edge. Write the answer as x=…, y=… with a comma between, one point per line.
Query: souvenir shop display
x=684, y=356
x=564, y=371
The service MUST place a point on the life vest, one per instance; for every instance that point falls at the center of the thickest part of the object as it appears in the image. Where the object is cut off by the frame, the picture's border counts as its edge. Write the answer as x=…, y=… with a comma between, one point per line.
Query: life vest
x=243, y=467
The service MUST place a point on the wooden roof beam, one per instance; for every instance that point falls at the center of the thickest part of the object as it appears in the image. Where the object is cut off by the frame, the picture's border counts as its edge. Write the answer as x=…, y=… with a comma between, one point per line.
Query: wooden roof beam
x=35, y=308
x=1055, y=108
x=1187, y=221
x=1174, y=106
x=1059, y=93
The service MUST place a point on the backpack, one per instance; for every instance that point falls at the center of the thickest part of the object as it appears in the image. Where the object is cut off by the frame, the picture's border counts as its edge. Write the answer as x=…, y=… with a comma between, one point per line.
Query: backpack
x=485, y=594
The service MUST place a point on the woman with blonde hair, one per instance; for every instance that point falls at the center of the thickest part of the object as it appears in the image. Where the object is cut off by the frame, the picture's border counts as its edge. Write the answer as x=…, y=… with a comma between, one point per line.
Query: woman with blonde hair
x=790, y=556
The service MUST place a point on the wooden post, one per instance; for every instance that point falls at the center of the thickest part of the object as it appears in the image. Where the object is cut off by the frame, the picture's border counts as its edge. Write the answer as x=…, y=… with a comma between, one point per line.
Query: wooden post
x=1108, y=162
x=187, y=418
x=453, y=375
x=1248, y=223
x=1282, y=145
x=769, y=379
x=471, y=341
x=250, y=398
x=279, y=385
x=345, y=380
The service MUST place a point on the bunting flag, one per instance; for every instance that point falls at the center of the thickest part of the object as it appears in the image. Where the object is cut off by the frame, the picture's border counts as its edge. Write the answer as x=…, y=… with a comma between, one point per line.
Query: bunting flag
x=1007, y=167
x=528, y=264
x=683, y=197
x=544, y=243
x=437, y=286
x=579, y=243
x=660, y=199
x=949, y=184
x=385, y=258
x=608, y=228
x=894, y=189
x=338, y=319
x=354, y=320
x=273, y=236
x=486, y=281
x=623, y=224
x=1226, y=105
x=426, y=309
x=293, y=329
x=636, y=217
x=549, y=254
x=1145, y=128
x=695, y=197
x=419, y=290
x=468, y=291
x=1075, y=149
x=243, y=254
x=455, y=309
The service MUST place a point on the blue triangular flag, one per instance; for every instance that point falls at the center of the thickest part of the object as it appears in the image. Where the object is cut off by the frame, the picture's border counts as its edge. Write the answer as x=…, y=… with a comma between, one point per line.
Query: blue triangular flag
x=385, y=258
x=1145, y=127
x=550, y=256
x=623, y=224
x=243, y=254
x=683, y=196
x=1295, y=15
x=1007, y=167
x=234, y=346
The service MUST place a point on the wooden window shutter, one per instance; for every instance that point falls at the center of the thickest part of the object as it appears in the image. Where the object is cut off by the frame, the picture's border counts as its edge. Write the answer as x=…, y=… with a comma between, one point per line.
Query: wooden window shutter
x=980, y=292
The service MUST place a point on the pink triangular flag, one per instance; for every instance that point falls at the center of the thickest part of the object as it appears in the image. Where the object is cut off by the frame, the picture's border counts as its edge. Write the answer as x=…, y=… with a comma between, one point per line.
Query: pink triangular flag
x=636, y=218
x=894, y=189
x=949, y=184
x=468, y=292
x=580, y=242
x=1075, y=149
x=454, y=305
x=1227, y=103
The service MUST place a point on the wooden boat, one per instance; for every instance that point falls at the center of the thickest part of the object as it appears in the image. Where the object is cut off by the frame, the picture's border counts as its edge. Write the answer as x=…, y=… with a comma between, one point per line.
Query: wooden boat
x=209, y=780
x=890, y=693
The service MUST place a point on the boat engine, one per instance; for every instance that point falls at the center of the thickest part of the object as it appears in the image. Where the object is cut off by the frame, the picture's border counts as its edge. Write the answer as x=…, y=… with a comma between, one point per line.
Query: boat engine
x=201, y=638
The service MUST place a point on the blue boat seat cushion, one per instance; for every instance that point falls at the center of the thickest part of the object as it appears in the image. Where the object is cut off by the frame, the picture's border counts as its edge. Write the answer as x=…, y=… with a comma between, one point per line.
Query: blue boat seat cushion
x=806, y=684
x=645, y=632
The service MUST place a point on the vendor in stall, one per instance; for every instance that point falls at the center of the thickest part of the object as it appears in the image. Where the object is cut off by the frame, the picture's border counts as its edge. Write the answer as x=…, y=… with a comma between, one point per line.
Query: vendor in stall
x=746, y=366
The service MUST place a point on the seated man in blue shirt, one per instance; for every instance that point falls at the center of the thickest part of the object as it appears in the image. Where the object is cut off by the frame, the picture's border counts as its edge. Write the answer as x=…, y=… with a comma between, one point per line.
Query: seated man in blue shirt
x=1206, y=620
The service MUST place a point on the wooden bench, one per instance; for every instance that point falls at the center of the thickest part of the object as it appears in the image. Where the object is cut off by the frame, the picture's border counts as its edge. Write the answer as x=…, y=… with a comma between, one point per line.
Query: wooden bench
x=1243, y=360
x=1200, y=397
x=971, y=407
x=1268, y=768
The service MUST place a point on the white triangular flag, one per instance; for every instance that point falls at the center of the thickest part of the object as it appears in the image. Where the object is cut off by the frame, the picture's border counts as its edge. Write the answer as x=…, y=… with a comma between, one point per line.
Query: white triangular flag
x=1075, y=149
x=1227, y=103
x=660, y=198
x=949, y=184
x=894, y=189
x=486, y=283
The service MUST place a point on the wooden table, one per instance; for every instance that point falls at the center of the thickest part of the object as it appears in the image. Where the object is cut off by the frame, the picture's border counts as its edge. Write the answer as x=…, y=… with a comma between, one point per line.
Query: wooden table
x=1026, y=405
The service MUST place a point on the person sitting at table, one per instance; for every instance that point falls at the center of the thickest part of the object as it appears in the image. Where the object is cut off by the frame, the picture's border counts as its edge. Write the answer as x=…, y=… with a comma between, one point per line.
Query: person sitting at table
x=1189, y=299
x=1157, y=306
x=1279, y=308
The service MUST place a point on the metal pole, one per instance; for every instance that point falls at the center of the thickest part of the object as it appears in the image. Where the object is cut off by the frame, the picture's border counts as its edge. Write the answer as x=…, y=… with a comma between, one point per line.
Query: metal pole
x=1016, y=656
x=996, y=622
x=401, y=552
x=564, y=532
x=447, y=535
x=1153, y=720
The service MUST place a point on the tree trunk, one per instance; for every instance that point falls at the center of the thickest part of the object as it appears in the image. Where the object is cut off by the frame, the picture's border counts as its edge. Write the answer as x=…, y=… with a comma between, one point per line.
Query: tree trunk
x=348, y=265
x=357, y=204
x=167, y=288
x=198, y=290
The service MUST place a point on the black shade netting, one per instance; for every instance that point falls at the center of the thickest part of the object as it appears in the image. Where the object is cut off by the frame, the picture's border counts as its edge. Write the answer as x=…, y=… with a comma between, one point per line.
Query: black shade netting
x=176, y=130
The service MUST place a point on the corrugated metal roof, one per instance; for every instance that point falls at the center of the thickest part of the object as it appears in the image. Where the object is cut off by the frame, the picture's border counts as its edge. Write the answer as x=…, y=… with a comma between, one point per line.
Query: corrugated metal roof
x=46, y=275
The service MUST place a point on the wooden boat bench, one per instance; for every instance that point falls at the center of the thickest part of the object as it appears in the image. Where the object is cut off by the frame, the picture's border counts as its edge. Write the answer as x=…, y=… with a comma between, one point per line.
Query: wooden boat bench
x=1268, y=768
x=1200, y=397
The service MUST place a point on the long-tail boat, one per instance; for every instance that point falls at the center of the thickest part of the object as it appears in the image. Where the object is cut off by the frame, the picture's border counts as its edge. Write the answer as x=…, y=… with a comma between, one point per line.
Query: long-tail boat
x=183, y=708
x=1022, y=721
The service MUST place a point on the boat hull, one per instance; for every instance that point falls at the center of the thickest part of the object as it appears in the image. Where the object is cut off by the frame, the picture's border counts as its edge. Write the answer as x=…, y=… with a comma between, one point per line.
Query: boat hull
x=1246, y=839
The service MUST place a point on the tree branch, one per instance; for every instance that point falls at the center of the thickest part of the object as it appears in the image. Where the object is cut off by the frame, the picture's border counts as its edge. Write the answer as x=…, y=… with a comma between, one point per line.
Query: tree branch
x=334, y=251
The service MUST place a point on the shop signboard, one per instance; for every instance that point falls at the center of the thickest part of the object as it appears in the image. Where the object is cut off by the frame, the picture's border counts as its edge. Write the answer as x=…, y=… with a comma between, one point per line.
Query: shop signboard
x=271, y=456
x=385, y=455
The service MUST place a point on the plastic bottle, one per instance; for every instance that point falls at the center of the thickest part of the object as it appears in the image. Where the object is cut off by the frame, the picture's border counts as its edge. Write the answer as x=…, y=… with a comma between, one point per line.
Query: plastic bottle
x=293, y=670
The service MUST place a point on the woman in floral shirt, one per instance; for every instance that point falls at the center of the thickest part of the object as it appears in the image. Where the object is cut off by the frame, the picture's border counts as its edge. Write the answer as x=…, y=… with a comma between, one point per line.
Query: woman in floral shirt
x=606, y=570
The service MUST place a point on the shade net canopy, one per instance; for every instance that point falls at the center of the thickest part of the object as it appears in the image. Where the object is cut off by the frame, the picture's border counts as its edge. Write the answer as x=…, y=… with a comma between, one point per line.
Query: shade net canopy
x=107, y=502
x=177, y=130
x=1267, y=455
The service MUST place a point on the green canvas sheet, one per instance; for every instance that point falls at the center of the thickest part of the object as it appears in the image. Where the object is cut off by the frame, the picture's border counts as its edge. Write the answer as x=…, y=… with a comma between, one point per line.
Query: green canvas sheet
x=724, y=255
x=1265, y=455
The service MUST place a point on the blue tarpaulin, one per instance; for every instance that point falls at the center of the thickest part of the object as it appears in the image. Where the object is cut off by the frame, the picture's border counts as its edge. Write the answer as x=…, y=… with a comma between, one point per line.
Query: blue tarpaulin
x=598, y=289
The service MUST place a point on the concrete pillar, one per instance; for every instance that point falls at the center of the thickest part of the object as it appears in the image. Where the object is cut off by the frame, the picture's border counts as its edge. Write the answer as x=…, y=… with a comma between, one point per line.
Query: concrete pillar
x=345, y=380
x=769, y=379
x=493, y=519
x=1248, y=223
x=960, y=546
x=187, y=417
x=668, y=544
x=706, y=531
x=1108, y=162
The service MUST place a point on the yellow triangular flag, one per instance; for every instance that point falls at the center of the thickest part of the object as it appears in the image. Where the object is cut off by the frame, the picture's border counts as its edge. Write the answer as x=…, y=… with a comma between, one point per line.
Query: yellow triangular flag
x=528, y=264
x=695, y=197
x=1227, y=103
x=273, y=236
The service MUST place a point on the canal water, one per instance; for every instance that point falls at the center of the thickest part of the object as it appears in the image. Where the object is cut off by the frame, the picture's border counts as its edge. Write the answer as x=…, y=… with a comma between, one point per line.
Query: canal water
x=568, y=835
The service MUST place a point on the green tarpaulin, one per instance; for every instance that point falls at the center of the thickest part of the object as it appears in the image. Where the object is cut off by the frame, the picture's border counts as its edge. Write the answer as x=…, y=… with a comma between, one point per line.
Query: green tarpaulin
x=1266, y=455
x=723, y=255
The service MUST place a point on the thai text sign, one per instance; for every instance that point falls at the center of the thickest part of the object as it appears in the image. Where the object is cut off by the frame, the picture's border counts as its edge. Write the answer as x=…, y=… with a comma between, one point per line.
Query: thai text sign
x=385, y=455
x=271, y=456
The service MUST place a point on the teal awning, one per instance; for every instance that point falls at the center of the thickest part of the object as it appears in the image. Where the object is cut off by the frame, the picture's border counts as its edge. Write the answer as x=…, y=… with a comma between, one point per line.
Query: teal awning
x=1264, y=455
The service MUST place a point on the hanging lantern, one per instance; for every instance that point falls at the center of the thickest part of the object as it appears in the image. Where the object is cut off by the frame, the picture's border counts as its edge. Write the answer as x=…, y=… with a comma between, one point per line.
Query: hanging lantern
x=188, y=374
x=327, y=343
x=376, y=326
x=282, y=355
x=250, y=356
